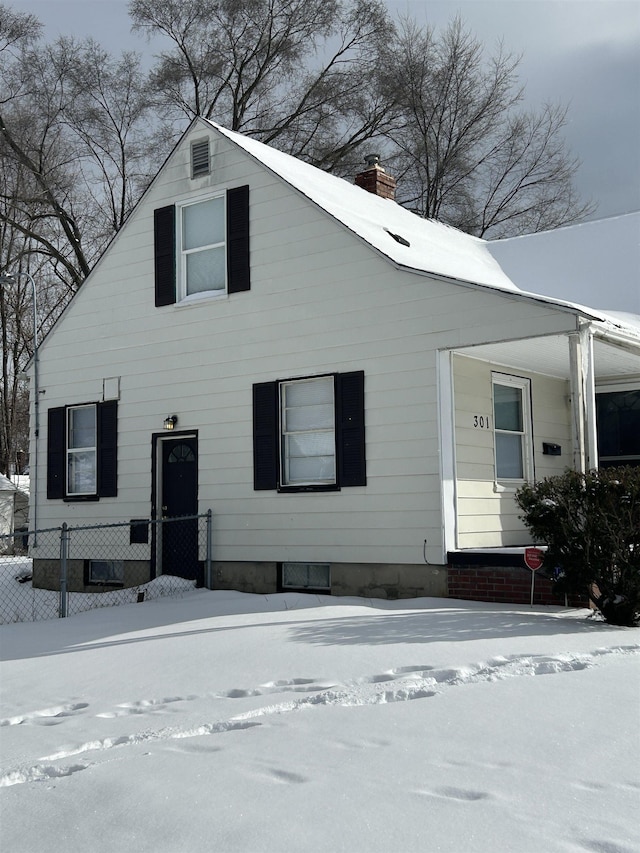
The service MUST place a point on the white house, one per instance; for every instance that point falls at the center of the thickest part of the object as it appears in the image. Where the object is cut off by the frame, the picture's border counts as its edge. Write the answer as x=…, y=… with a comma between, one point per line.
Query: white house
x=357, y=392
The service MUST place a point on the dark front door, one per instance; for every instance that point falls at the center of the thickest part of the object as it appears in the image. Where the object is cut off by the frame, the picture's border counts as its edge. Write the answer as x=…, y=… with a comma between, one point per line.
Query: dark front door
x=179, y=497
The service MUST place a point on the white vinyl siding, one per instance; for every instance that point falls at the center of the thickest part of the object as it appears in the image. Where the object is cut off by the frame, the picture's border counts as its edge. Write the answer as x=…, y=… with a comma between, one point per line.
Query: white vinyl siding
x=487, y=515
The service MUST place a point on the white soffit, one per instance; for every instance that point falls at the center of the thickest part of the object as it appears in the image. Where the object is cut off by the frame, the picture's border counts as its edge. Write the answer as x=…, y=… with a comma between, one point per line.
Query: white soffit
x=550, y=357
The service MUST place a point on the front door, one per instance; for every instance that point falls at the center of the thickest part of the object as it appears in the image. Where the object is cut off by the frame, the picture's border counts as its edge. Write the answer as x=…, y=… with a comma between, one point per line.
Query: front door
x=178, y=540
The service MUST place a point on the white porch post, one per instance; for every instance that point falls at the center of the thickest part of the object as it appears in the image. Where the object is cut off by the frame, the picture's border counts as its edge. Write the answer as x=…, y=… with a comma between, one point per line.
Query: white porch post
x=590, y=399
x=446, y=424
x=583, y=400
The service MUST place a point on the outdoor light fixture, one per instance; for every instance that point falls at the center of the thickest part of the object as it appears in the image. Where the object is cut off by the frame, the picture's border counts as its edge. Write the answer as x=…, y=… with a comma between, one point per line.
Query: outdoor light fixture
x=170, y=421
x=8, y=280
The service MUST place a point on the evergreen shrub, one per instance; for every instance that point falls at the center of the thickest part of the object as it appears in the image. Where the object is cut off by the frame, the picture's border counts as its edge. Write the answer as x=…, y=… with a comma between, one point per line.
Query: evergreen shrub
x=590, y=523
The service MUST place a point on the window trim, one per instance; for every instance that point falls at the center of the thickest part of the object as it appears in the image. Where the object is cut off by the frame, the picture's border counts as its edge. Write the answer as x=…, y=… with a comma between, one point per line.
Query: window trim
x=72, y=451
x=89, y=580
x=285, y=587
x=350, y=434
x=523, y=383
x=182, y=254
x=106, y=452
x=238, y=250
x=285, y=458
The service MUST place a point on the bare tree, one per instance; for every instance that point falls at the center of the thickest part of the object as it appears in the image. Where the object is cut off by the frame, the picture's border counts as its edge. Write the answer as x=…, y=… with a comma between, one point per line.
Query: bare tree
x=72, y=163
x=301, y=74
x=466, y=153
x=76, y=125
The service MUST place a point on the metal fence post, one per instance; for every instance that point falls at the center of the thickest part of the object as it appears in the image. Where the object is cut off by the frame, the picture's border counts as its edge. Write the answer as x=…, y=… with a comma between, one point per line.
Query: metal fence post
x=64, y=553
x=208, y=580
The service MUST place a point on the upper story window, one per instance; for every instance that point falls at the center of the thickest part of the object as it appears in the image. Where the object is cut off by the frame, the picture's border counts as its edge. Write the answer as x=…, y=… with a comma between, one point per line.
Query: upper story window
x=512, y=427
x=82, y=440
x=202, y=247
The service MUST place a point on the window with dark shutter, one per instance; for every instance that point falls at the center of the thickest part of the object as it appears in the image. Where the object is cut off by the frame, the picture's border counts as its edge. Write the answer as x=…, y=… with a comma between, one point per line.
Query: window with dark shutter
x=56, y=453
x=350, y=424
x=63, y=454
x=238, y=268
x=165, y=255
x=108, y=449
x=185, y=263
x=265, y=436
x=295, y=441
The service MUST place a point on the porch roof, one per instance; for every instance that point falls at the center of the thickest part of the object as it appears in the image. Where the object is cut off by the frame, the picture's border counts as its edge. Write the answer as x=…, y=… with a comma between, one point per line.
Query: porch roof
x=549, y=355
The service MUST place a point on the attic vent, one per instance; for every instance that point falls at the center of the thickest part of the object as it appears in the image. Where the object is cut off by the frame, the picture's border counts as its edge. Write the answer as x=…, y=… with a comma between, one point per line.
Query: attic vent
x=398, y=238
x=200, y=158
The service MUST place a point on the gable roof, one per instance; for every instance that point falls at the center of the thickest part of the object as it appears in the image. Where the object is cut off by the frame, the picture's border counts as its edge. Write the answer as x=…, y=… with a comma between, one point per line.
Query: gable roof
x=433, y=247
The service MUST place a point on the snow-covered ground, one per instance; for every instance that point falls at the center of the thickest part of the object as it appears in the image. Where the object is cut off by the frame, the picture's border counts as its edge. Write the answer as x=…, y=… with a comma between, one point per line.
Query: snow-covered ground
x=20, y=602
x=231, y=722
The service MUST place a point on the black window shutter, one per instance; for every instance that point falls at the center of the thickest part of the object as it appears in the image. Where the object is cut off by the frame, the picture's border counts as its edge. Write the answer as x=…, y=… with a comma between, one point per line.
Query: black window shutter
x=164, y=247
x=350, y=428
x=108, y=449
x=238, y=271
x=56, y=446
x=265, y=436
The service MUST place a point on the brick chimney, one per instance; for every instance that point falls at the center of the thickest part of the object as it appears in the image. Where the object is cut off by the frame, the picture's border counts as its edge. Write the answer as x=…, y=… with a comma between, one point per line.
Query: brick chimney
x=375, y=180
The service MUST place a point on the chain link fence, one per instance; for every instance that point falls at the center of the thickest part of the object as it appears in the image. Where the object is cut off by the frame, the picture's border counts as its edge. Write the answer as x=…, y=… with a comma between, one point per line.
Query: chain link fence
x=45, y=574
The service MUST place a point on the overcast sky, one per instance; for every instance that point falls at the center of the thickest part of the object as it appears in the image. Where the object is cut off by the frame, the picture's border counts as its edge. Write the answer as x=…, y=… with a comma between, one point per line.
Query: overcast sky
x=585, y=53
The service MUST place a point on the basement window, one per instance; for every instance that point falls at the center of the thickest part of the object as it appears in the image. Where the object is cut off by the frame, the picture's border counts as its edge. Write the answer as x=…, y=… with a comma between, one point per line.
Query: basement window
x=106, y=572
x=316, y=576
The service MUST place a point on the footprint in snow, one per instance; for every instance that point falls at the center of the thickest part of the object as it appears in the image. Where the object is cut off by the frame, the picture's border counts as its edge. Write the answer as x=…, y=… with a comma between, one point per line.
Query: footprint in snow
x=47, y=716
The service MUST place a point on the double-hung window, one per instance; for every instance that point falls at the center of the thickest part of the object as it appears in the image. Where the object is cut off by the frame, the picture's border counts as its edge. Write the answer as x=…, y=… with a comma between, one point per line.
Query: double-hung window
x=307, y=418
x=203, y=247
x=82, y=451
x=82, y=447
x=309, y=433
x=512, y=427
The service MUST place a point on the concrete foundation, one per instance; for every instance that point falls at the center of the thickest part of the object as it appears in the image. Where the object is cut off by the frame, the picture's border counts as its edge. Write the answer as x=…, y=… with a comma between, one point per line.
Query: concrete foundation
x=46, y=575
x=361, y=579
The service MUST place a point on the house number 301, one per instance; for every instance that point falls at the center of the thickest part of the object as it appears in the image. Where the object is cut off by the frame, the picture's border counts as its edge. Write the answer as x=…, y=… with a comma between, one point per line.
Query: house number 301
x=481, y=422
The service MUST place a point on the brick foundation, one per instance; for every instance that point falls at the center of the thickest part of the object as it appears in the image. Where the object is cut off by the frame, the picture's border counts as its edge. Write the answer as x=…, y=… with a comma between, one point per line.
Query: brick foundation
x=509, y=585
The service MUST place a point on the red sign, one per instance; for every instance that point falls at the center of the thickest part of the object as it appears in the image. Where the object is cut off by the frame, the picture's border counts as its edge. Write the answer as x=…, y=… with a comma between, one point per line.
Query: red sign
x=533, y=558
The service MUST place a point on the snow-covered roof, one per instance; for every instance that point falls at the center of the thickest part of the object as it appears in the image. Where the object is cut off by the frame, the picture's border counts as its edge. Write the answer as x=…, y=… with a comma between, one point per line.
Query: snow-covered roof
x=594, y=263
x=6, y=485
x=433, y=247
